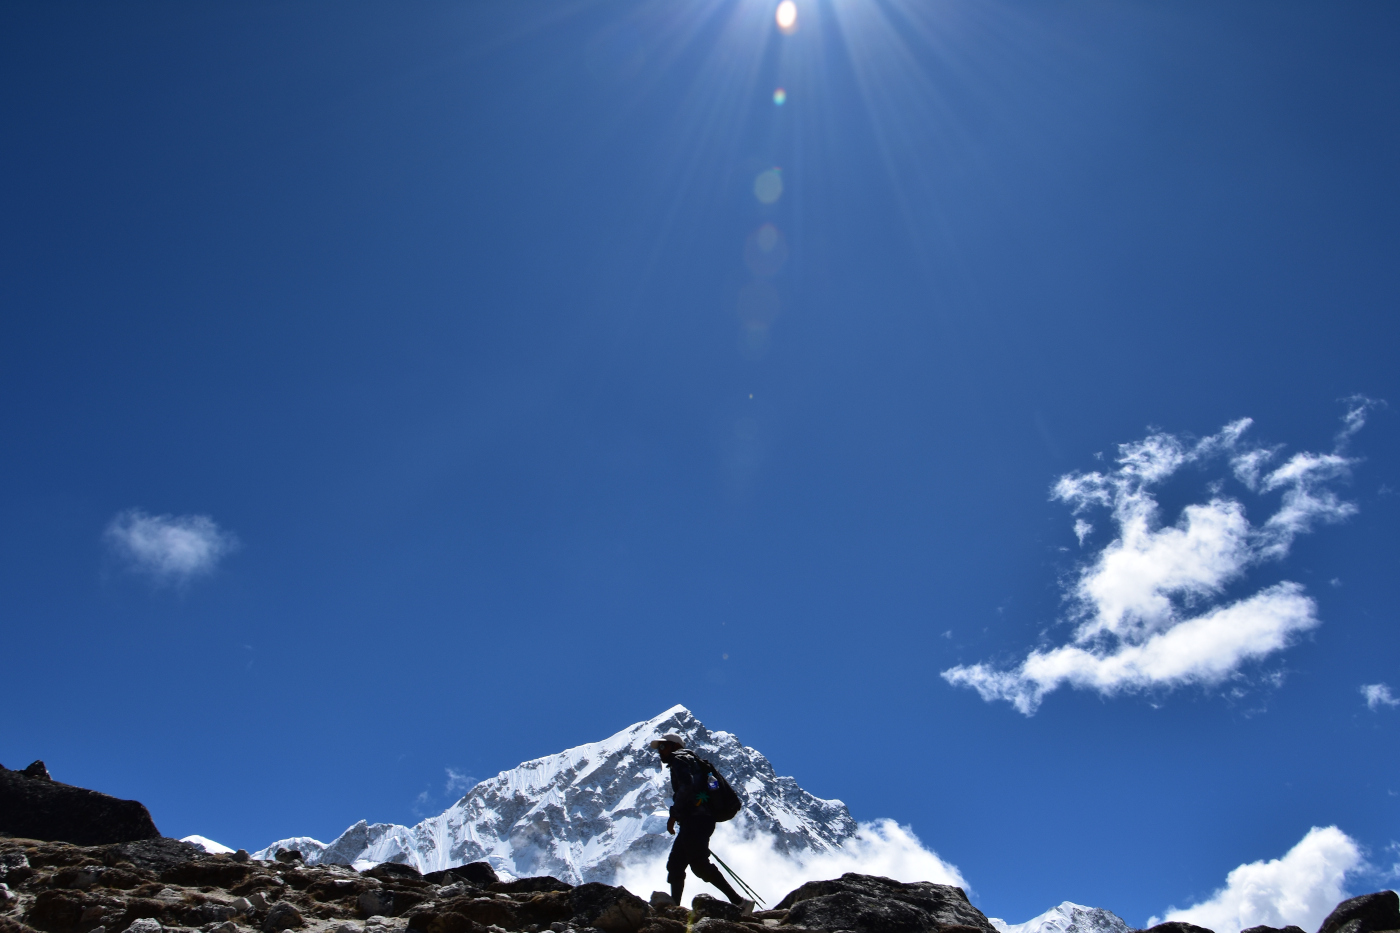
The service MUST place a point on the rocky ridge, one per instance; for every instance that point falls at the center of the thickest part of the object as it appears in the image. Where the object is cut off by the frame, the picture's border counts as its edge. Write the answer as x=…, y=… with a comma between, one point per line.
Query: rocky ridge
x=581, y=814
x=168, y=886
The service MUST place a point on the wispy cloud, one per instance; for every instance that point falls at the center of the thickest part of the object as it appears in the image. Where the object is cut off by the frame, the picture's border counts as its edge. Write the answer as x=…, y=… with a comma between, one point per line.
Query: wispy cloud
x=1146, y=608
x=459, y=781
x=1378, y=695
x=1299, y=889
x=168, y=548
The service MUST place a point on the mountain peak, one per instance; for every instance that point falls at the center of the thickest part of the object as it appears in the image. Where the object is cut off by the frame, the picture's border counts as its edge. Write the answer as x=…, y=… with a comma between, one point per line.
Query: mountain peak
x=583, y=813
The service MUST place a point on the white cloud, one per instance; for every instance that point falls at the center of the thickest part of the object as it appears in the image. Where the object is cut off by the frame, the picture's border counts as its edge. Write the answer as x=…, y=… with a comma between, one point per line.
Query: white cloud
x=168, y=548
x=1378, y=695
x=1147, y=606
x=1299, y=889
x=459, y=781
x=879, y=848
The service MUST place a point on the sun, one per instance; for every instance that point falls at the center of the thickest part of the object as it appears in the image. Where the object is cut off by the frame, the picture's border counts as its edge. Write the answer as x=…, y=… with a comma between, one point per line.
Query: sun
x=787, y=16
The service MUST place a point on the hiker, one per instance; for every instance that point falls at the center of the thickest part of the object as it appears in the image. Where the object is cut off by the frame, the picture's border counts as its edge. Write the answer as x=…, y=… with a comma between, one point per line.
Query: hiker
x=690, y=785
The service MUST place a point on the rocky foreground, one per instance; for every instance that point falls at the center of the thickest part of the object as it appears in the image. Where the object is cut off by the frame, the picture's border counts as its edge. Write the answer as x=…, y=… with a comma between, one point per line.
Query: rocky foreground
x=161, y=884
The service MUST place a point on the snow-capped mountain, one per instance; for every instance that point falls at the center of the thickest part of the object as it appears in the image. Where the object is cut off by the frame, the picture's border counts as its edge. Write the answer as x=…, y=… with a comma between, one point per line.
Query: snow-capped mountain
x=1067, y=918
x=581, y=814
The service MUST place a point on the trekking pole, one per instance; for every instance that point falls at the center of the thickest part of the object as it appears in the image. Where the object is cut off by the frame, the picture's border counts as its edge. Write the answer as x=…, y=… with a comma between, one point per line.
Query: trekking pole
x=743, y=884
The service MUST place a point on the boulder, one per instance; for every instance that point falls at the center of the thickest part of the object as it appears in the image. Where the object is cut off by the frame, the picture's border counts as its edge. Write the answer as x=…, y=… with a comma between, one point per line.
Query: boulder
x=144, y=925
x=1177, y=926
x=703, y=906
x=389, y=871
x=34, y=806
x=14, y=867
x=1264, y=929
x=664, y=925
x=476, y=873
x=282, y=916
x=531, y=885
x=376, y=902
x=872, y=904
x=716, y=925
x=157, y=854
x=615, y=910
x=1364, y=914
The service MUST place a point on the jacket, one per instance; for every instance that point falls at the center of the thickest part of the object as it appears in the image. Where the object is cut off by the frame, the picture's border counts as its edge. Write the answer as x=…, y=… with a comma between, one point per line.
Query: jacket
x=690, y=785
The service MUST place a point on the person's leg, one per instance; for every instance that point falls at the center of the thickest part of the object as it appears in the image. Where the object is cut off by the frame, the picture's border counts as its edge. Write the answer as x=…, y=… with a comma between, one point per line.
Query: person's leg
x=706, y=870
x=675, y=864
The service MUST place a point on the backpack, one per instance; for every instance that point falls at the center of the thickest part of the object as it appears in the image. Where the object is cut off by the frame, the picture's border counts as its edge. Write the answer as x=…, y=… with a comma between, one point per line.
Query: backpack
x=723, y=804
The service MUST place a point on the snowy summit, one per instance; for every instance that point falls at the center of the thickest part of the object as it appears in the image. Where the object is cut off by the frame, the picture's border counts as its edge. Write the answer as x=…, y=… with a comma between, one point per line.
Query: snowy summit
x=582, y=814
x=1067, y=918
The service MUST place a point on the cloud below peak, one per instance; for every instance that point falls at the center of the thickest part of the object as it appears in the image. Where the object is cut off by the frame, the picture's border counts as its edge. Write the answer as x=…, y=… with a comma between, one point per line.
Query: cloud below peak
x=1146, y=606
x=170, y=549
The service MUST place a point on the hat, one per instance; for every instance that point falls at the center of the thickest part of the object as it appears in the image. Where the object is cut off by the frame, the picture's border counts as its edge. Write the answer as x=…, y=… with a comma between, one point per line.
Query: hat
x=668, y=737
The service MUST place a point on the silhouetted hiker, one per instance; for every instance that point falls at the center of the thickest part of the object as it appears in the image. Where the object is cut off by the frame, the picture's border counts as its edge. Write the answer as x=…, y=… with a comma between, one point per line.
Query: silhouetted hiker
x=690, y=794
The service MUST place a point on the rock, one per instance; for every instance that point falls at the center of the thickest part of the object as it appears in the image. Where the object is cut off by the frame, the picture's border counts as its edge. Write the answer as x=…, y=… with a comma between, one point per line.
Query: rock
x=209, y=912
x=665, y=925
x=157, y=854
x=1263, y=929
x=1364, y=914
x=716, y=925
x=531, y=885
x=241, y=904
x=259, y=900
x=477, y=873
x=702, y=905
x=282, y=916
x=228, y=926
x=375, y=902
x=390, y=871
x=1177, y=926
x=288, y=856
x=5, y=896
x=661, y=899
x=240, y=856
x=545, y=909
x=34, y=806
x=144, y=925
x=615, y=910
x=872, y=904
x=14, y=867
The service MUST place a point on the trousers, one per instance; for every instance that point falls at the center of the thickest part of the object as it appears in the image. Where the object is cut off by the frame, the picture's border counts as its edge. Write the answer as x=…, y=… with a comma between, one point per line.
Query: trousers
x=692, y=849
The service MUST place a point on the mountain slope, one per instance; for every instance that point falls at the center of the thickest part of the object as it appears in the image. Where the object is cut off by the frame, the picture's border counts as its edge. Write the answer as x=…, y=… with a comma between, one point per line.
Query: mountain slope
x=583, y=813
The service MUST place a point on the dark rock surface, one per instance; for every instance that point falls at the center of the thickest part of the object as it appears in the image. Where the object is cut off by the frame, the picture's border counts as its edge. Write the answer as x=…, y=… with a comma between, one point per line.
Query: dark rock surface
x=871, y=904
x=475, y=873
x=1364, y=914
x=1177, y=926
x=34, y=806
x=1263, y=929
x=703, y=906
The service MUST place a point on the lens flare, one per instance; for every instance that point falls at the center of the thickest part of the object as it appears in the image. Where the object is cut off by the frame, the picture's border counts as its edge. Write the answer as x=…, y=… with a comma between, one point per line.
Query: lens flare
x=787, y=16
x=780, y=97
x=768, y=186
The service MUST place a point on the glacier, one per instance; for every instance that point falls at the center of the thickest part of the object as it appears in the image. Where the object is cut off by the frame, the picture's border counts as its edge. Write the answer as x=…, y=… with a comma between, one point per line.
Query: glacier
x=1067, y=918
x=587, y=813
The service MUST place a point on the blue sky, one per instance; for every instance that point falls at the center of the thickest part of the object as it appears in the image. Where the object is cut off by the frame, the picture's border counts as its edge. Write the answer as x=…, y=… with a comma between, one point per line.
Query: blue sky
x=390, y=389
